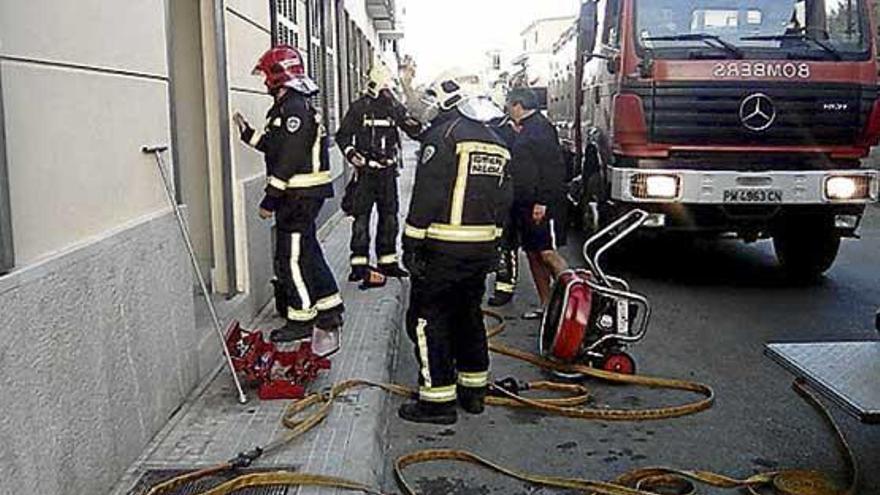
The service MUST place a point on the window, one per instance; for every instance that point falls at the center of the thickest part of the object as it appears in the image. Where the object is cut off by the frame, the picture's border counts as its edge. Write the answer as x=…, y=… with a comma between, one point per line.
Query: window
x=496, y=61
x=284, y=23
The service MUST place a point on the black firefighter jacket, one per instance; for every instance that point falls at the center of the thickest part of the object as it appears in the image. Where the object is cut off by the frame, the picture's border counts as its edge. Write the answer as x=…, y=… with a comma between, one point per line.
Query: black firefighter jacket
x=370, y=128
x=294, y=144
x=462, y=191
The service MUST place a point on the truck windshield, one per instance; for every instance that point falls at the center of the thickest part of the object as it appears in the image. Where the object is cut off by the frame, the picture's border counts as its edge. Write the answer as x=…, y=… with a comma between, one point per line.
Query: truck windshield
x=787, y=29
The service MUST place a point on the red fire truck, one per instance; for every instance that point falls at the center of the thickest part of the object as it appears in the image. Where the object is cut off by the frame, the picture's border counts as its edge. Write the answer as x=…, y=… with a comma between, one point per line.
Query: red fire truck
x=724, y=117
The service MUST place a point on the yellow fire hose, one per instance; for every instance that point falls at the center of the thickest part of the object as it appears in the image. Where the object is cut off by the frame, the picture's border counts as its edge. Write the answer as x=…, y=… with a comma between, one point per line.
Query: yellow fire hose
x=303, y=415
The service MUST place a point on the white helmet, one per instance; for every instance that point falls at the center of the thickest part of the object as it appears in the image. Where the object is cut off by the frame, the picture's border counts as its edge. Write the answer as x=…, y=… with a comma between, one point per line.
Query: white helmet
x=463, y=94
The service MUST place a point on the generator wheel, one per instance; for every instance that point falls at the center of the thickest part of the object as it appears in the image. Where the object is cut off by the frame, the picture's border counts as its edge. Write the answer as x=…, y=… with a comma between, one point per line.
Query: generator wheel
x=619, y=362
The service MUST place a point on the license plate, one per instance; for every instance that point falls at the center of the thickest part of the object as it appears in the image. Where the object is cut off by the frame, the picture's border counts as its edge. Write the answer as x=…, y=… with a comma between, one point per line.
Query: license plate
x=752, y=196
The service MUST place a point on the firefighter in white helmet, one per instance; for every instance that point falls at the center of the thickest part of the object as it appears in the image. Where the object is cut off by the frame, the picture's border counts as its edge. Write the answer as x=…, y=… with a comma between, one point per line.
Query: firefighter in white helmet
x=459, y=204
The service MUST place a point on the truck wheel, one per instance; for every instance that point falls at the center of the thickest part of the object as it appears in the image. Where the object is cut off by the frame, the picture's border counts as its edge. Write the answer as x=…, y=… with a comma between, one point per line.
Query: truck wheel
x=590, y=207
x=806, y=246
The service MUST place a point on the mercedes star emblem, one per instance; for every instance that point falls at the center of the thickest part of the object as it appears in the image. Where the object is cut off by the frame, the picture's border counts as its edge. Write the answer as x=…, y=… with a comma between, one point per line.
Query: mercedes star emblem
x=757, y=112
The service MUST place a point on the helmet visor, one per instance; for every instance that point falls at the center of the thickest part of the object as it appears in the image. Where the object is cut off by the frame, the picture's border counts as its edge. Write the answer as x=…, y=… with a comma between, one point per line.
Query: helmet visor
x=480, y=109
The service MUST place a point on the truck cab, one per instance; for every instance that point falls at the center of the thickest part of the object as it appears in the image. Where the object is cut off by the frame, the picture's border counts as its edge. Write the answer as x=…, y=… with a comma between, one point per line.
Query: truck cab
x=746, y=118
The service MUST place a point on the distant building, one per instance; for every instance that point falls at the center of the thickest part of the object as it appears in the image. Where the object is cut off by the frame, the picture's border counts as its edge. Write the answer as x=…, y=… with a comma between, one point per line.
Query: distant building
x=101, y=339
x=533, y=64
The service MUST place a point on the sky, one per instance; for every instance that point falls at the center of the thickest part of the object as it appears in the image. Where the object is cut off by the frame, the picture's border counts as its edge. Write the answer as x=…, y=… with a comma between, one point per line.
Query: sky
x=446, y=34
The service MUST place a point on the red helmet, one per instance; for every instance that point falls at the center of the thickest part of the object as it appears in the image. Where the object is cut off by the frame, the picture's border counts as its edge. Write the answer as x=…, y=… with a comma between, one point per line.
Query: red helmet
x=283, y=66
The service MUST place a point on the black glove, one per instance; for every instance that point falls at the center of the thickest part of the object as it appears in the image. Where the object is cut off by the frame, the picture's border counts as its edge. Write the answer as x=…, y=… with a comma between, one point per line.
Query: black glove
x=414, y=260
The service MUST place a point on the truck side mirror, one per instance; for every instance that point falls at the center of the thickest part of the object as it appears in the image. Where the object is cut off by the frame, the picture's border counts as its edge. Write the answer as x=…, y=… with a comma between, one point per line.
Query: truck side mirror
x=588, y=23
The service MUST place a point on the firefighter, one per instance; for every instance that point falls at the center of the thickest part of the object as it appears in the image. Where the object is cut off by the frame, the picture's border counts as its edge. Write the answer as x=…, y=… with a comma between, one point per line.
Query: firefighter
x=368, y=137
x=299, y=181
x=507, y=273
x=460, y=201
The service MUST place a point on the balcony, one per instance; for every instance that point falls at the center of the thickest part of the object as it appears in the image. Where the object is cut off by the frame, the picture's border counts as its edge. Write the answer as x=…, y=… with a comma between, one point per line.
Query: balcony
x=382, y=14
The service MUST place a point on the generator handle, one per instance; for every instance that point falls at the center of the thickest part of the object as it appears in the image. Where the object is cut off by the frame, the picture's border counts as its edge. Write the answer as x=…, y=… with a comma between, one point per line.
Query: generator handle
x=614, y=233
x=639, y=327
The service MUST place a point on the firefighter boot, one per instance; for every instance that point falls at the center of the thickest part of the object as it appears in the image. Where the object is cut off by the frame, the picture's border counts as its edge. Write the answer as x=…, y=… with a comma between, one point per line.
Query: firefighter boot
x=393, y=270
x=439, y=413
x=472, y=399
x=500, y=298
x=358, y=273
x=291, y=332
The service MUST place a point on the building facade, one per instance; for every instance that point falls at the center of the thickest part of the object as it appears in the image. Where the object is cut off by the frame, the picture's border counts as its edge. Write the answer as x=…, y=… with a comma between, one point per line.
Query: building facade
x=533, y=64
x=101, y=342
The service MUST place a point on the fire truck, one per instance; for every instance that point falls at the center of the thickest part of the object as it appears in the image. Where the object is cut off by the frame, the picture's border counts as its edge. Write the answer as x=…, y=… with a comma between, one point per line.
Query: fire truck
x=745, y=118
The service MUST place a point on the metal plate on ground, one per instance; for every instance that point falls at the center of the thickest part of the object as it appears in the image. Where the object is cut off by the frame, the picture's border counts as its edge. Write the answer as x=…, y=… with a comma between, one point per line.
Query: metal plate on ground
x=153, y=477
x=846, y=372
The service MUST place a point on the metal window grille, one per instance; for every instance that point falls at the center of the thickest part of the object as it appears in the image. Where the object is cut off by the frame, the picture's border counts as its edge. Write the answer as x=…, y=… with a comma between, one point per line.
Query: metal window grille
x=284, y=23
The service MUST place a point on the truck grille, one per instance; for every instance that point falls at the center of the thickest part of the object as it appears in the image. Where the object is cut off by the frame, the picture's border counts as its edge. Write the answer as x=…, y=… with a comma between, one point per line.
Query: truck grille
x=709, y=113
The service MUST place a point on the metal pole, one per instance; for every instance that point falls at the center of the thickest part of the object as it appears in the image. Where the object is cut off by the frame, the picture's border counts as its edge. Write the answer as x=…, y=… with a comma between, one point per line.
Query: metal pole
x=157, y=151
x=7, y=252
x=225, y=146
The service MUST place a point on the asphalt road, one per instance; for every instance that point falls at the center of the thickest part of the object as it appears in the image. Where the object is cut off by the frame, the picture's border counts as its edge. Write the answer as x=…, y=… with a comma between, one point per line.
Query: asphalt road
x=715, y=306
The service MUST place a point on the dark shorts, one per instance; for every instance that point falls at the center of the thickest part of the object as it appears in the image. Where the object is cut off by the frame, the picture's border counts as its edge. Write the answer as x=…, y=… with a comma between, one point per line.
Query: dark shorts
x=548, y=235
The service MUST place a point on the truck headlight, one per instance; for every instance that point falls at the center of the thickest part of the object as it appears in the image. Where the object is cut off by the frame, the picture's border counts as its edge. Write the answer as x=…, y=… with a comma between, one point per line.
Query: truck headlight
x=848, y=187
x=656, y=186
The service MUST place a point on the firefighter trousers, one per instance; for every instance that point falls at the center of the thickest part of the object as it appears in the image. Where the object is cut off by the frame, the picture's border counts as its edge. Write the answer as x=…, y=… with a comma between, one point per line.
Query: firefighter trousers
x=445, y=323
x=305, y=279
x=507, y=274
x=379, y=188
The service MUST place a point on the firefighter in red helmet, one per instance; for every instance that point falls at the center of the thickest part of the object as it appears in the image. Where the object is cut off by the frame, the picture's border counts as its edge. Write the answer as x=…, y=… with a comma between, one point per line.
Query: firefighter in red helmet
x=299, y=181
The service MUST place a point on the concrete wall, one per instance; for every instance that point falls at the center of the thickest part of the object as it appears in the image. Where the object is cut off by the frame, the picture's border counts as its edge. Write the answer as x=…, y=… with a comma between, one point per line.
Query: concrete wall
x=97, y=350
x=100, y=341
x=81, y=98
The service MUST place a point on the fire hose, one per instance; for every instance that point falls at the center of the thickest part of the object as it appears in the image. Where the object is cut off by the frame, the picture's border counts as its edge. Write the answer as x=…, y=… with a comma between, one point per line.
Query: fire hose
x=303, y=415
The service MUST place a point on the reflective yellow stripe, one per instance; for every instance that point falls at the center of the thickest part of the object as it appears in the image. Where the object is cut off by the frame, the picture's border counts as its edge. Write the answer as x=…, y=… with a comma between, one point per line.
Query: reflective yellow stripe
x=388, y=259
x=437, y=394
x=476, y=379
x=462, y=233
x=302, y=314
x=460, y=188
x=505, y=287
x=414, y=232
x=316, y=148
x=277, y=183
x=329, y=302
x=499, y=232
x=360, y=261
x=310, y=180
x=255, y=139
x=298, y=280
x=422, y=340
x=487, y=148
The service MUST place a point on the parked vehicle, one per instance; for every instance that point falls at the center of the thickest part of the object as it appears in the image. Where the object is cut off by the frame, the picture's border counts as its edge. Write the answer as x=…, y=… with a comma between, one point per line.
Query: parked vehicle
x=747, y=118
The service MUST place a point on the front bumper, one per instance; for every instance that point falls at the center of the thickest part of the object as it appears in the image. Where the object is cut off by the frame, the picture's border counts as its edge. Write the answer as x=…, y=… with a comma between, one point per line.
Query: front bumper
x=724, y=187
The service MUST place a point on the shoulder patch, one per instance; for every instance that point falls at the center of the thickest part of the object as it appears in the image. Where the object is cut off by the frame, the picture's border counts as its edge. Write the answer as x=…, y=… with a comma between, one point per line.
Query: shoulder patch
x=293, y=124
x=428, y=153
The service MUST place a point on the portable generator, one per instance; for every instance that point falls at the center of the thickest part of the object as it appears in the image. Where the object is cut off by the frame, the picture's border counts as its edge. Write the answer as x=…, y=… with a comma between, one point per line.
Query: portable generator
x=591, y=317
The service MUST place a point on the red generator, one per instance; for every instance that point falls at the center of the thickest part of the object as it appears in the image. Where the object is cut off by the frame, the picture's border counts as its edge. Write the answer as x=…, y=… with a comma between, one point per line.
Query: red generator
x=592, y=317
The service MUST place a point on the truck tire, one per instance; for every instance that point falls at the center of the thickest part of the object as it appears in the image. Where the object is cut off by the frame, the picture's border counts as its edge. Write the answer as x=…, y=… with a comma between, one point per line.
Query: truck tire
x=806, y=246
x=590, y=214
